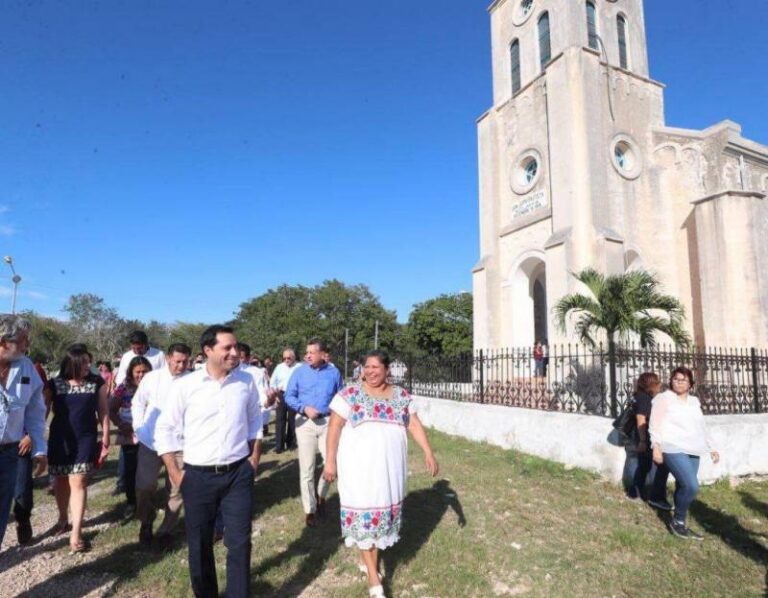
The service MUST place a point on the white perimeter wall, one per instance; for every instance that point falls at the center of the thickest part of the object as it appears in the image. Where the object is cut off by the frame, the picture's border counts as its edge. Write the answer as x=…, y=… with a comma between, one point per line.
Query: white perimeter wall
x=582, y=440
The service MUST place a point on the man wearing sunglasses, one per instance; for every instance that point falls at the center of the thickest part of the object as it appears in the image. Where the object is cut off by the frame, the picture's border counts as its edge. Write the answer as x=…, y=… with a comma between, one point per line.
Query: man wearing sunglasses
x=22, y=409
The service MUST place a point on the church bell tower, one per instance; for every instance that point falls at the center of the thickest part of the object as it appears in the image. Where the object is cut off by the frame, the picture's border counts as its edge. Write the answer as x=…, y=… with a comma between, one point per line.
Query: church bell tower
x=560, y=154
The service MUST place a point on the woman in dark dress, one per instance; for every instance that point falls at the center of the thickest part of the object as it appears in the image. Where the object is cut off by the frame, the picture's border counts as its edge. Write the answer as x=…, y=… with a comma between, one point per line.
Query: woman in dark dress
x=78, y=398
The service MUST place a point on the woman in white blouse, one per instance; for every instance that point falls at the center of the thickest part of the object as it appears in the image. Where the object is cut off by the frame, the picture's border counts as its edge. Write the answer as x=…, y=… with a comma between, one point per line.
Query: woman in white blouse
x=679, y=438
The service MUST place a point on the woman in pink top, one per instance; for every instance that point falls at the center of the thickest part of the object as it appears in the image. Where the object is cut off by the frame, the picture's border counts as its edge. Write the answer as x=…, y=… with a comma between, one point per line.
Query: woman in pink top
x=120, y=414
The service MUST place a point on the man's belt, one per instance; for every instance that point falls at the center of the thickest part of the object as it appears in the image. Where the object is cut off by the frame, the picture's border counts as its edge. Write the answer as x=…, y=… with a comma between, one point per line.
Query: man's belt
x=216, y=468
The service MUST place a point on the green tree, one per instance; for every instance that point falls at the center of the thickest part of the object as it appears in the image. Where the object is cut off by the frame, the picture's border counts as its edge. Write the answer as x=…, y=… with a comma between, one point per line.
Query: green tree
x=97, y=325
x=49, y=339
x=289, y=315
x=620, y=305
x=187, y=333
x=443, y=325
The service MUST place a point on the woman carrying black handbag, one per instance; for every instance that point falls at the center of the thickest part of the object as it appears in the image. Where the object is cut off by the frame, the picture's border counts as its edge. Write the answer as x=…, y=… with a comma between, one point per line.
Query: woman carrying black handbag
x=648, y=386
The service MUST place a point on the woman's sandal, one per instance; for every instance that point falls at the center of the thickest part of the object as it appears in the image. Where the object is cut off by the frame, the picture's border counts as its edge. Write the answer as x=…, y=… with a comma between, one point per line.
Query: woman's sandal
x=61, y=527
x=78, y=547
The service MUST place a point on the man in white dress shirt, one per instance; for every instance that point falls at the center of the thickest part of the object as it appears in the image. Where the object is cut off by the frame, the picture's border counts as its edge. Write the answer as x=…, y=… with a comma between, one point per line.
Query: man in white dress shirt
x=261, y=378
x=146, y=406
x=139, y=346
x=213, y=416
x=285, y=417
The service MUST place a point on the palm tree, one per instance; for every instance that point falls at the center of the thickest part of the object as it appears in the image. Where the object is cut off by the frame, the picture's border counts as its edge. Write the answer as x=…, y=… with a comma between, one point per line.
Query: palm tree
x=619, y=305
x=622, y=304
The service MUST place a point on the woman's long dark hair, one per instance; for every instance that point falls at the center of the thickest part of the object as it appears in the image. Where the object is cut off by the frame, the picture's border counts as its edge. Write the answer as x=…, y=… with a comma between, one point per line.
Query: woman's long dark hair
x=138, y=360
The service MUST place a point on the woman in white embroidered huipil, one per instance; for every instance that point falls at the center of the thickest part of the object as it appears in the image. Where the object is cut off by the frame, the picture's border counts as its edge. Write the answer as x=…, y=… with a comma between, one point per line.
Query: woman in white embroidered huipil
x=679, y=438
x=368, y=443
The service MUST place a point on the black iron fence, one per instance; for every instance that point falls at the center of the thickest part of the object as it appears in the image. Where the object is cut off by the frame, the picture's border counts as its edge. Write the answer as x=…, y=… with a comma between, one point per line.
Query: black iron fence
x=576, y=379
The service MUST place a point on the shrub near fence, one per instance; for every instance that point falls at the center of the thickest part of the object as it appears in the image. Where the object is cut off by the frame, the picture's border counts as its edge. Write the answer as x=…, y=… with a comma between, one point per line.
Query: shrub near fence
x=578, y=379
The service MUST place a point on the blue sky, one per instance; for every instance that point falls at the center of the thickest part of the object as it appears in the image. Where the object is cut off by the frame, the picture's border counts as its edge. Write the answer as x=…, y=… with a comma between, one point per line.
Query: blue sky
x=180, y=157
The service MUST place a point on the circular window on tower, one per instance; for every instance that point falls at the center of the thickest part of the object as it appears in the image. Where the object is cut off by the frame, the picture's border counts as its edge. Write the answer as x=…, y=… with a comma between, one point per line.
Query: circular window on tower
x=625, y=157
x=523, y=11
x=526, y=172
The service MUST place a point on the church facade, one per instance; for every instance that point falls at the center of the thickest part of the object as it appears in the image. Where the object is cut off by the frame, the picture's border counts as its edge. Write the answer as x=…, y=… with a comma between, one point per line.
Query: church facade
x=578, y=168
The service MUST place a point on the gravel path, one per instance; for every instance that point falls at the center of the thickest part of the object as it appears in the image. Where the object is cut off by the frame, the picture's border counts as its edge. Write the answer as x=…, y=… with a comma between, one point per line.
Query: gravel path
x=24, y=567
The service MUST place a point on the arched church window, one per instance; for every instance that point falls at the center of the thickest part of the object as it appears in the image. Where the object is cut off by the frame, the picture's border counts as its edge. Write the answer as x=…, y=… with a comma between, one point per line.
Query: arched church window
x=621, y=28
x=592, y=25
x=545, y=47
x=514, y=57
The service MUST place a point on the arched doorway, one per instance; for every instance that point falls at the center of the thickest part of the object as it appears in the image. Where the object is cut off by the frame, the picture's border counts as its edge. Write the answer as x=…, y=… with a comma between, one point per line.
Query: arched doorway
x=539, y=295
x=529, y=302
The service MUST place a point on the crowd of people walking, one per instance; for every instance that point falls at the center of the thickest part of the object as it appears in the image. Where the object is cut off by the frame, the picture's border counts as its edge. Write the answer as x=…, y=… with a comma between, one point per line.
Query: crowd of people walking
x=203, y=420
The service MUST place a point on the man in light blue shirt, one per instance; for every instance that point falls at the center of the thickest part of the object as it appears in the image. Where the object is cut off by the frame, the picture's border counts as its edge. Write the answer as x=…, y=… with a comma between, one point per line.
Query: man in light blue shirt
x=309, y=393
x=22, y=408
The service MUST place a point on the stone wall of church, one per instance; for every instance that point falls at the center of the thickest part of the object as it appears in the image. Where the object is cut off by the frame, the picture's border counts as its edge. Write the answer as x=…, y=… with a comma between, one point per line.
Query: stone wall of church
x=712, y=179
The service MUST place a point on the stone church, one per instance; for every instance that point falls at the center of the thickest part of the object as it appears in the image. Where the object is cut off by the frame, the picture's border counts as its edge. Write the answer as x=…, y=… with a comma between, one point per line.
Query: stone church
x=578, y=168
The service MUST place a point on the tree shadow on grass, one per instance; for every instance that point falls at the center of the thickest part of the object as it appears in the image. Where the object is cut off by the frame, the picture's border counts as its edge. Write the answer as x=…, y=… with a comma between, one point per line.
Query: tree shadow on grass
x=757, y=506
x=422, y=512
x=114, y=568
x=281, y=484
x=19, y=554
x=730, y=531
x=315, y=546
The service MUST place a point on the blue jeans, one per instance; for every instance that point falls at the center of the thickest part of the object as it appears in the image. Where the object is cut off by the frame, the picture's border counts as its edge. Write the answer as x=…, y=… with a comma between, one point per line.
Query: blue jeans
x=684, y=468
x=22, y=495
x=9, y=460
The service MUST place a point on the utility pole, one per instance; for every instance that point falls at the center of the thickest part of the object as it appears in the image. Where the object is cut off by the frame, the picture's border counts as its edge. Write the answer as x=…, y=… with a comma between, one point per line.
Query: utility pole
x=16, y=280
x=376, y=336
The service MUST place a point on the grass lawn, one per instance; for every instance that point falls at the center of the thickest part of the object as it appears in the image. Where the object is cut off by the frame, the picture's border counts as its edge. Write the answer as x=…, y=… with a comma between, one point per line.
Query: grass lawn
x=495, y=523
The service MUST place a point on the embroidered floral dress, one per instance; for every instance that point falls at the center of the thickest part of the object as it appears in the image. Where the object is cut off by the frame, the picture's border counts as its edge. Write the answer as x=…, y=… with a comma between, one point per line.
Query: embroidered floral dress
x=372, y=464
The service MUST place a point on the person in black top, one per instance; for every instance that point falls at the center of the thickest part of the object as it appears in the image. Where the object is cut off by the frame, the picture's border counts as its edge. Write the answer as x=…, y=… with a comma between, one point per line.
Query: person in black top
x=648, y=386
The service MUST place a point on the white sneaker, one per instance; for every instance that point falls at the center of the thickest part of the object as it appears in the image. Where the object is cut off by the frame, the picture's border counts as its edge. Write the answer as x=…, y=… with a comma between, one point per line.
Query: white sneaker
x=376, y=592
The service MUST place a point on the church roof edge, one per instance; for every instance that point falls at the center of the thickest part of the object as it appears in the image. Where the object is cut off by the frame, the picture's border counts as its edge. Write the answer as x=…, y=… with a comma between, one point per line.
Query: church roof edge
x=480, y=265
x=735, y=192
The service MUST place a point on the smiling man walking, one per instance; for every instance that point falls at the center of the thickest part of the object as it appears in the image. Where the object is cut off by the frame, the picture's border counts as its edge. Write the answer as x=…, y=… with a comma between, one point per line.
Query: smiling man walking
x=215, y=412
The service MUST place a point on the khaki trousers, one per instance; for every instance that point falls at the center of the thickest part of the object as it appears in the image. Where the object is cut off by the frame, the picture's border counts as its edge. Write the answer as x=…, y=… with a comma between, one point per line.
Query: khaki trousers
x=310, y=436
x=146, y=486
